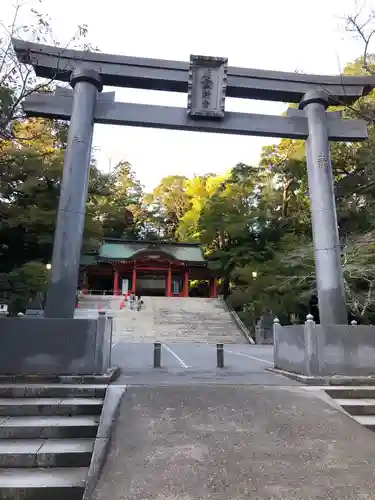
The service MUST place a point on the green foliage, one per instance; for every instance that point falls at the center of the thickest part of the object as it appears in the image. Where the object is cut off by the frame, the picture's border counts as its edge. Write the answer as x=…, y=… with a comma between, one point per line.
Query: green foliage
x=119, y=199
x=166, y=206
x=22, y=284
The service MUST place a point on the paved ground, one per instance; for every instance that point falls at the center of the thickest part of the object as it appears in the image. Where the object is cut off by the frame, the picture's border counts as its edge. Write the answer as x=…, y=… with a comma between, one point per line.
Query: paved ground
x=196, y=364
x=258, y=443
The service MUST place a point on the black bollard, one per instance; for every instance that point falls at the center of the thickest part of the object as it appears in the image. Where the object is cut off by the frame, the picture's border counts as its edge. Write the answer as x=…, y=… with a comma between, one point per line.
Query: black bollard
x=157, y=355
x=220, y=355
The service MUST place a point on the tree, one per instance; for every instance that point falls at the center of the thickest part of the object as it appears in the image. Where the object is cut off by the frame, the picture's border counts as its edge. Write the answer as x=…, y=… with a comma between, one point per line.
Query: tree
x=167, y=205
x=120, y=200
x=21, y=285
x=30, y=183
x=361, y=24
x=30, y=172
x=18, y=80
x=198, y=190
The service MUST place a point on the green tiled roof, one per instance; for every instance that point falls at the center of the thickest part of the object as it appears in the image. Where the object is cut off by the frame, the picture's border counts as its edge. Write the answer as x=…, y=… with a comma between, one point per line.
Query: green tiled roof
x=86, y=259
x=129, y=250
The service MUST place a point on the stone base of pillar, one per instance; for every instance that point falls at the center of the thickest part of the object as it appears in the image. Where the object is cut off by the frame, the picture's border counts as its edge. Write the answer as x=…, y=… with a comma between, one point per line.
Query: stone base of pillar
x=332, y=307
x=80, y=346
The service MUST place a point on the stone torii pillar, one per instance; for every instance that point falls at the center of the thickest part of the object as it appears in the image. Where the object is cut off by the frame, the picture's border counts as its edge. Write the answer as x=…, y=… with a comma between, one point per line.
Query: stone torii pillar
x=62, y=288
x=328, y=269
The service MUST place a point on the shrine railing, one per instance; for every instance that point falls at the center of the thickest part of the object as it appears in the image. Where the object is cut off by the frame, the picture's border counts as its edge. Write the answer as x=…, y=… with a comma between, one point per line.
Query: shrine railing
x=240, y=324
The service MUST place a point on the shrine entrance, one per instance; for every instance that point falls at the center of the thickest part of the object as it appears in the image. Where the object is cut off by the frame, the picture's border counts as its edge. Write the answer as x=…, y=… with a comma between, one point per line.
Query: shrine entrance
x=147, y=268
x=207, y=81
x=151, y=283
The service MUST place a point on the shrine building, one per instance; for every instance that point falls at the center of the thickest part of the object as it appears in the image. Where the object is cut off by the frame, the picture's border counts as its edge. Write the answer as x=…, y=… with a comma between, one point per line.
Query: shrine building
x=147, y=268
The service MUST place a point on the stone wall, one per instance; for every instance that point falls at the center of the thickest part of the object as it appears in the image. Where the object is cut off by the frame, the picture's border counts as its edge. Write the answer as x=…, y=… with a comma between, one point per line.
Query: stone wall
x=53, y=346
x=346, y=349
x=312, y=349
x=289, y=348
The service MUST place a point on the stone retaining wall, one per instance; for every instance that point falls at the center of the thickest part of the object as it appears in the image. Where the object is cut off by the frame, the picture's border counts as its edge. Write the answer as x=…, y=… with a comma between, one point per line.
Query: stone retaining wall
x=37, y=345
x=312, y=349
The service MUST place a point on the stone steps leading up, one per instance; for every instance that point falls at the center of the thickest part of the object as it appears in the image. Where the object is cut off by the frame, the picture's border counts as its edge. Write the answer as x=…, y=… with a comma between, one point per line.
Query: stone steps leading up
x=46, y=452
x=50, y=406
x=351, y=392
x=52, y=390
x=43, y=484
x=358, y=402
x=366, y=420
x=358, y=406
x=175, y=319
x=48, y=427
x=47, y=436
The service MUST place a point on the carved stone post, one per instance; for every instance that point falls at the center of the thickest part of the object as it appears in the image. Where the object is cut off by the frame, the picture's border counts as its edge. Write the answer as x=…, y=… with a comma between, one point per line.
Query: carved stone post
x=329, y=276
x=276, y=342
x=311, y=347
x=61, y=294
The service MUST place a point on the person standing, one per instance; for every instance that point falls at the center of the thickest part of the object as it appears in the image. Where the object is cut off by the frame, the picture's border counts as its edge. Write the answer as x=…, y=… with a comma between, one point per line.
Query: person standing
x=139, y=303
x=132, y=301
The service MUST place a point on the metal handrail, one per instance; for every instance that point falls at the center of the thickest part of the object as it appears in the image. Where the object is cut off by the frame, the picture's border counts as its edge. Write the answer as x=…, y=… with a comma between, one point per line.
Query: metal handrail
x=241, y=324
x=102, y=293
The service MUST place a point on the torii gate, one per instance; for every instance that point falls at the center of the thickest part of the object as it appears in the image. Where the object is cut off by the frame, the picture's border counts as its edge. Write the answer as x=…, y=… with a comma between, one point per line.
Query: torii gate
x=206, y=81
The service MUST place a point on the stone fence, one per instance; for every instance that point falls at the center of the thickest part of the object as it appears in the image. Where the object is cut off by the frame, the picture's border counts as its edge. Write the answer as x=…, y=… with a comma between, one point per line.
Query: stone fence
x=312, y=349
x=55, y=346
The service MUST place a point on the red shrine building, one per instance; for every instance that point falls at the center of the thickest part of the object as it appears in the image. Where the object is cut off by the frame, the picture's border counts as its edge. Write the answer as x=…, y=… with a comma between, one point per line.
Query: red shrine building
x=147, y=268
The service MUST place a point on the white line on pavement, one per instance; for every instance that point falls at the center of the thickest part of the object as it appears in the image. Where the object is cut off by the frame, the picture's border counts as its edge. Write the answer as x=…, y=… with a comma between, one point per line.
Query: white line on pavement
x=175, y=355
x=251, y=357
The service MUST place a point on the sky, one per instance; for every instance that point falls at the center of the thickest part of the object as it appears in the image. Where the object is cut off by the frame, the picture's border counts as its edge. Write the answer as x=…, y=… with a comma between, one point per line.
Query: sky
x=285, y=35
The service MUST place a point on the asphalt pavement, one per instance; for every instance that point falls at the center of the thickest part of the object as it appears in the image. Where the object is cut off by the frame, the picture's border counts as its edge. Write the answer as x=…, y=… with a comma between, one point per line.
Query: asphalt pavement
x=196, y=363
x=235, y=442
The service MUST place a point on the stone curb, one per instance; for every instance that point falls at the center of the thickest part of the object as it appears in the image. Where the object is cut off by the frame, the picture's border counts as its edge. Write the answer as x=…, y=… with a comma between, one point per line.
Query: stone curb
x=108, y=417
x=325, y=380
x=106, y=378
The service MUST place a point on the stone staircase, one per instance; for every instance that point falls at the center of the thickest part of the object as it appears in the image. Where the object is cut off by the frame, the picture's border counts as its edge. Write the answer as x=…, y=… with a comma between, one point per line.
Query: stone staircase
x=90, y=305
x=47, y=434
x=175, y=319
x=358, y=402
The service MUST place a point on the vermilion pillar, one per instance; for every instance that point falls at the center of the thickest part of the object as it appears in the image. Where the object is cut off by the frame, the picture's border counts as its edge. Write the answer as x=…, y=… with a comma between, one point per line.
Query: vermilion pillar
x=134, y=280
x=169, y=283
x=213, y=289
x=186, y=284
x=84, y=283
x=115, y=283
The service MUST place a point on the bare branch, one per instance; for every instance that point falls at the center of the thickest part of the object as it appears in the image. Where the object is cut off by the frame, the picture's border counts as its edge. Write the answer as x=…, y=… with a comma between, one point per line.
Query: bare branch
x=362, y=25
x=17, y=79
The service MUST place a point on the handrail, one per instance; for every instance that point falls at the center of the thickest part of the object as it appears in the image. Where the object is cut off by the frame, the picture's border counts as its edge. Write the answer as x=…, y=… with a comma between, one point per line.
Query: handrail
x=240, y=324
x=101, y=293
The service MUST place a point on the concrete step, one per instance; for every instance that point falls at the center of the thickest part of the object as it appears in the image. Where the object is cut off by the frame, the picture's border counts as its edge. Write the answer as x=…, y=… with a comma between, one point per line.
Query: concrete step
x=50, y=406
x=169, y=340
x=48, y=427
x=46, y=452
x=10, y=390
x=359, y=392
x=358, y=406
x=366, y=420
x=43, y=484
